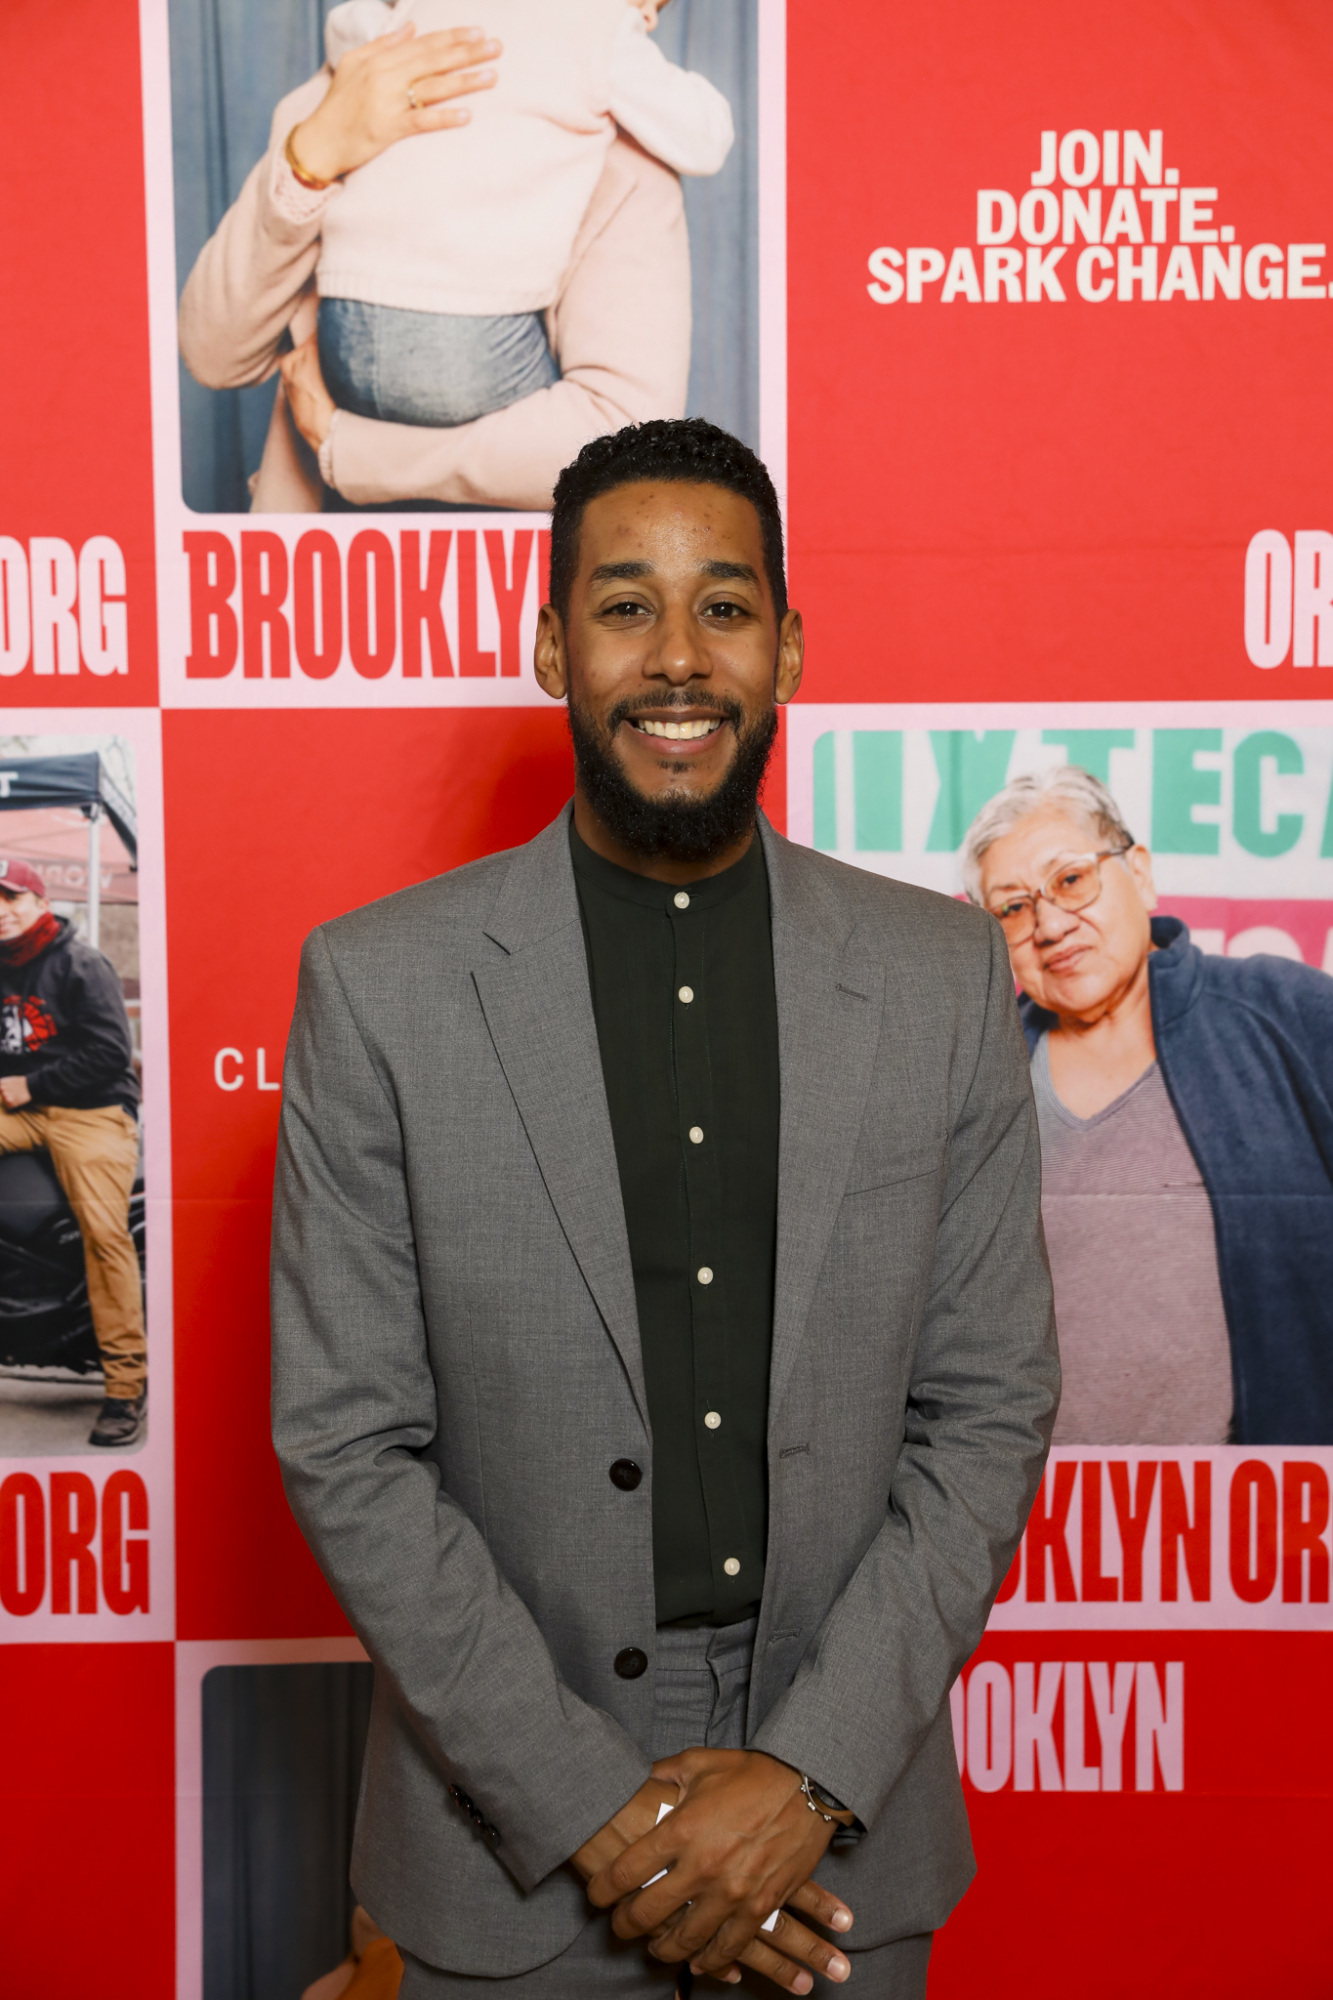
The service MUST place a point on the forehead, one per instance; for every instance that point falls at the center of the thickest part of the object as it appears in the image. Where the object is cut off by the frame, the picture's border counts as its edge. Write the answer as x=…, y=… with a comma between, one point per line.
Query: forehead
x=672, y=524
x=1038, y=841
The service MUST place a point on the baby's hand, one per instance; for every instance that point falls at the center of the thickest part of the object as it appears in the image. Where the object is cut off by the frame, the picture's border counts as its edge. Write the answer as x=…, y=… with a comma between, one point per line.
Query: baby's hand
x=310, y=403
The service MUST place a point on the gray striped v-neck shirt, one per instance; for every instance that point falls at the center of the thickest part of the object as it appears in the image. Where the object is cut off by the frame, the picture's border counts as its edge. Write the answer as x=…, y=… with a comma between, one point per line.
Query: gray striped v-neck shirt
x=1138, y=1305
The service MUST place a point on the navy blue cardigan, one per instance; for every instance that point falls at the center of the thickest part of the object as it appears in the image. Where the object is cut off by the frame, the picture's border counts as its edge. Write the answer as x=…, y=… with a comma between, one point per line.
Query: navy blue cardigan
x=1246, y=1052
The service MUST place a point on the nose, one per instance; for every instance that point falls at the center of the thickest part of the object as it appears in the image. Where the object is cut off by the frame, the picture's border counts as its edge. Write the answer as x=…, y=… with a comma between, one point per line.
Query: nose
x=1050, y=922
x=678, y=656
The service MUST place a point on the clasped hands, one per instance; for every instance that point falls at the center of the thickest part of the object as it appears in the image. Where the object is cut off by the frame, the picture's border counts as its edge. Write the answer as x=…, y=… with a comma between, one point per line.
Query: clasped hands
x=740, y=1843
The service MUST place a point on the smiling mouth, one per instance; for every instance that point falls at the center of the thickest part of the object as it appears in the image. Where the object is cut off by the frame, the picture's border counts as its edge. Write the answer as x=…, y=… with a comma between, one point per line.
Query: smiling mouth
x=678, y=732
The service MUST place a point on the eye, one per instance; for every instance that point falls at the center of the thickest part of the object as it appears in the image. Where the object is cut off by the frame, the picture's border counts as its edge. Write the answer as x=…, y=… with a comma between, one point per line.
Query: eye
x=726, y=610
x=624, y=607
x=1014, y=907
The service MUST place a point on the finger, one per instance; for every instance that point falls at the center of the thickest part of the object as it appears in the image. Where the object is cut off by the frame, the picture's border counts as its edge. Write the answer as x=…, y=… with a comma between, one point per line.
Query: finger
x=635, y=1866
x=655, y=1914
x=447, y=49
x=440, y=118
x=712, y=1954
x=439, y=89
x=672, y=1770
x=794, y=1941
x=784, y=1972
x=821, y=1904
x=693, y=1933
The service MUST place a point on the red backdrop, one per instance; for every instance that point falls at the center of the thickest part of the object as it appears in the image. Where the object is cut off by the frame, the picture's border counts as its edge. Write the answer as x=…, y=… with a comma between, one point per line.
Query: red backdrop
x=1000, y=501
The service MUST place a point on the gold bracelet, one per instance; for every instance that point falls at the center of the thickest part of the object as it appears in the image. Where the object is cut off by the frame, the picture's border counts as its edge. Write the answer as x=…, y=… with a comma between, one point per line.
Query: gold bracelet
x=303, y=174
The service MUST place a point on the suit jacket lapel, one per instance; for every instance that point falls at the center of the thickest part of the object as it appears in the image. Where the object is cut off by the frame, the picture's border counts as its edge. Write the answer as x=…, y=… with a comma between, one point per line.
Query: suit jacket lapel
x=830, y=1005
x=538, y=1007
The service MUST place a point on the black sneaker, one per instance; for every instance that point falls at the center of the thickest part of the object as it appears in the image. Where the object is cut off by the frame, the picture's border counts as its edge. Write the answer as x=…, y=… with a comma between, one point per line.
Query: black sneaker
x=119, y=1421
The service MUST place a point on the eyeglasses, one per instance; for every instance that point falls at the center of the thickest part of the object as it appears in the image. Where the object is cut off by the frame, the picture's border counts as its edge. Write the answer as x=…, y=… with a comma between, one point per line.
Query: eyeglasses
x=1072, y=886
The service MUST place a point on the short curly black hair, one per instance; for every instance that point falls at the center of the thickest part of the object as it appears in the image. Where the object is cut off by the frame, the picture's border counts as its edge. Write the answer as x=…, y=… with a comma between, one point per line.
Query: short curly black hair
x=687, y=449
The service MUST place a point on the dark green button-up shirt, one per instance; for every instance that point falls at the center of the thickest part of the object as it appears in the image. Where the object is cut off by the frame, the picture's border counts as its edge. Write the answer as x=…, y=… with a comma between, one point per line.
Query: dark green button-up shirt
x=683, y=995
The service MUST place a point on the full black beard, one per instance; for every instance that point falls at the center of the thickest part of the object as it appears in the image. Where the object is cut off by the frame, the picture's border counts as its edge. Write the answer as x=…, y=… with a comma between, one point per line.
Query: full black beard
x=673, y=828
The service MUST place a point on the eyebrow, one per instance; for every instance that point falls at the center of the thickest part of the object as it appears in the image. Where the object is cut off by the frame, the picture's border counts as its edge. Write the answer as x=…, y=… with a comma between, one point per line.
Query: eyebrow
x=626, y=572
x=1068, y=854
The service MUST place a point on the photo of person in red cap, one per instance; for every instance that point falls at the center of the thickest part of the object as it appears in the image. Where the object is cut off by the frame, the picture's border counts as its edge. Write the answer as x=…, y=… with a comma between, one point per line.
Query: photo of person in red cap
x=67, y=1084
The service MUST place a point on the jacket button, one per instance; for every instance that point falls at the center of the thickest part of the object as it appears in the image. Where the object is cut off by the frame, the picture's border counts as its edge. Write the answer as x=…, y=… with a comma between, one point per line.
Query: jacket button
x=625, y=1474
x=630, y=1662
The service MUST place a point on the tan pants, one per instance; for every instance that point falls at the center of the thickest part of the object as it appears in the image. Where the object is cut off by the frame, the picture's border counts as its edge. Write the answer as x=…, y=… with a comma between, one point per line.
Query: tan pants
x=95, y=1155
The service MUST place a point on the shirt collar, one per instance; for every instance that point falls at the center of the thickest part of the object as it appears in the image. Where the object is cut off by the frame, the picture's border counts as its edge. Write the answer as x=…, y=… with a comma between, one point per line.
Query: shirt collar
x=595, y=871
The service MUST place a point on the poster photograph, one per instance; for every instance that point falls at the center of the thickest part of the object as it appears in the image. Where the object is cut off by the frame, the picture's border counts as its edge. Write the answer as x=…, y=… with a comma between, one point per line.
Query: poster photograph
x=1164, y=880
x=71, y=1180
x=86, y=1365
x=1026, y=311
x=603, y=268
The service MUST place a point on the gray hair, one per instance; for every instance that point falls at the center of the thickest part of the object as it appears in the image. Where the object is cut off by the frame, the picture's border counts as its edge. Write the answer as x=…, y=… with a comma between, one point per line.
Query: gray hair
x=1066, y=785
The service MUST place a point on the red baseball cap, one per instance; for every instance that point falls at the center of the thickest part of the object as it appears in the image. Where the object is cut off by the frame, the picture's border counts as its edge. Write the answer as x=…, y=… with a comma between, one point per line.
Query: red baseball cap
x=16, y=876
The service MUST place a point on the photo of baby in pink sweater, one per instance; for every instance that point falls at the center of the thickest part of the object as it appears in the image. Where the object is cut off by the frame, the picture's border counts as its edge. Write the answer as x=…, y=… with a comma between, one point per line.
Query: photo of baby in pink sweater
x=426, y=249
x=439, y=258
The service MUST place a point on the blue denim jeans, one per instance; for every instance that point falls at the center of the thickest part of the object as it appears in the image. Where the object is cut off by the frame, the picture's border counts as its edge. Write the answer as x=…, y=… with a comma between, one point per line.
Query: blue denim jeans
x=437, y=369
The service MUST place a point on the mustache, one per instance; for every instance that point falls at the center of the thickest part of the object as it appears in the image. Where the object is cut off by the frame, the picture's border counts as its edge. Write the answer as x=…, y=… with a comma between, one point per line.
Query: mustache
x=725, y=707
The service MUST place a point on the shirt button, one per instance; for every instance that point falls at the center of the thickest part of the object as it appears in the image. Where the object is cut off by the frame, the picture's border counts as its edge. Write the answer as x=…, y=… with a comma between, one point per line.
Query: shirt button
x=630, y=1662
x=697, y=1134
x=686, y=994
x=681, y=900
x=705, y=1276
x=712, y=1421
x=731, y=1566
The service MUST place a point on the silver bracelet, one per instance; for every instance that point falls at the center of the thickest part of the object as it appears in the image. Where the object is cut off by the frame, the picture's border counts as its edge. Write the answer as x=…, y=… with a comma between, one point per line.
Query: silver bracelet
x=830, y=1819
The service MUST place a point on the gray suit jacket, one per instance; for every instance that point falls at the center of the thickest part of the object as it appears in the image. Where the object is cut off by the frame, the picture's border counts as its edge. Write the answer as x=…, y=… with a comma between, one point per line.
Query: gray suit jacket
x=456, y=1365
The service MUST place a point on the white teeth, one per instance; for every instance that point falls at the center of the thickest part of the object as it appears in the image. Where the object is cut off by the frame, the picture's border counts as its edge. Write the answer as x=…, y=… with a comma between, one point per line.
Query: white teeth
x=680, y=731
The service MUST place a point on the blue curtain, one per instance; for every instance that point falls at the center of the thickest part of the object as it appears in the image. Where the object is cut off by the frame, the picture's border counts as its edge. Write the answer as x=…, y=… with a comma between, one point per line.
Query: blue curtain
x=231, y=60
x=721, y=39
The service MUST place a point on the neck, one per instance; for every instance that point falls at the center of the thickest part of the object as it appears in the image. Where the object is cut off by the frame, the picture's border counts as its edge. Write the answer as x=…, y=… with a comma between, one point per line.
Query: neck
x=1122, y=1021
x=657, y=867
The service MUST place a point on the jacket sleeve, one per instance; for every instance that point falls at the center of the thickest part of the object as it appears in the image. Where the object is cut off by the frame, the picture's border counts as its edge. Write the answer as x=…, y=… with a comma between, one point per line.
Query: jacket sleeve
x=354, y=1404
x=981, y=1408
x=94, y=1048
x=253, y=272
x=621, y=332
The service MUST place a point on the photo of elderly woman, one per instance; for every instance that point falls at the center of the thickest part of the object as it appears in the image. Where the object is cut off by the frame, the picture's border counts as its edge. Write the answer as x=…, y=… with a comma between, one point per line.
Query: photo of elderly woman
x=460, y=247
x=1185, y=1105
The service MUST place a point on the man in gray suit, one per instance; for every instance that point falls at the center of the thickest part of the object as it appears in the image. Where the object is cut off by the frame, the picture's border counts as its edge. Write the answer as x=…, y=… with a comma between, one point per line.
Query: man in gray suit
x=663, y=1353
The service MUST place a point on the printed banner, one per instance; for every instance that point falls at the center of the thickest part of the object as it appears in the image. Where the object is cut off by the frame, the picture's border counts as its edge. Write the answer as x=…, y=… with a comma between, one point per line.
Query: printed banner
x=1027, y=310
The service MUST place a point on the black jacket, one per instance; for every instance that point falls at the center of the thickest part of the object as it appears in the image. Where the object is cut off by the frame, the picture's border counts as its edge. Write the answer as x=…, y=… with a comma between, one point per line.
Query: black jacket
x=64, y=1027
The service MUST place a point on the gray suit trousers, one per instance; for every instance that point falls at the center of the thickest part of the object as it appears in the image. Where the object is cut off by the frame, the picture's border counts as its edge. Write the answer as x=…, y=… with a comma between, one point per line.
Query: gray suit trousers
x=700, y=1690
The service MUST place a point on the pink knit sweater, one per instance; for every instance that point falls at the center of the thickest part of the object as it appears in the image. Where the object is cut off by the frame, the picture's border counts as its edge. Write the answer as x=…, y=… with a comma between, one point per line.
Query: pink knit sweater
x=483, y=219
x=619, y=326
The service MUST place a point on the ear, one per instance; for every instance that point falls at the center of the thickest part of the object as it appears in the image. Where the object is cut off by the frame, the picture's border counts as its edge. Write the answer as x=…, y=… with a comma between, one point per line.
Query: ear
x=1139, y=863
x=791, y=656
x=550, y=658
